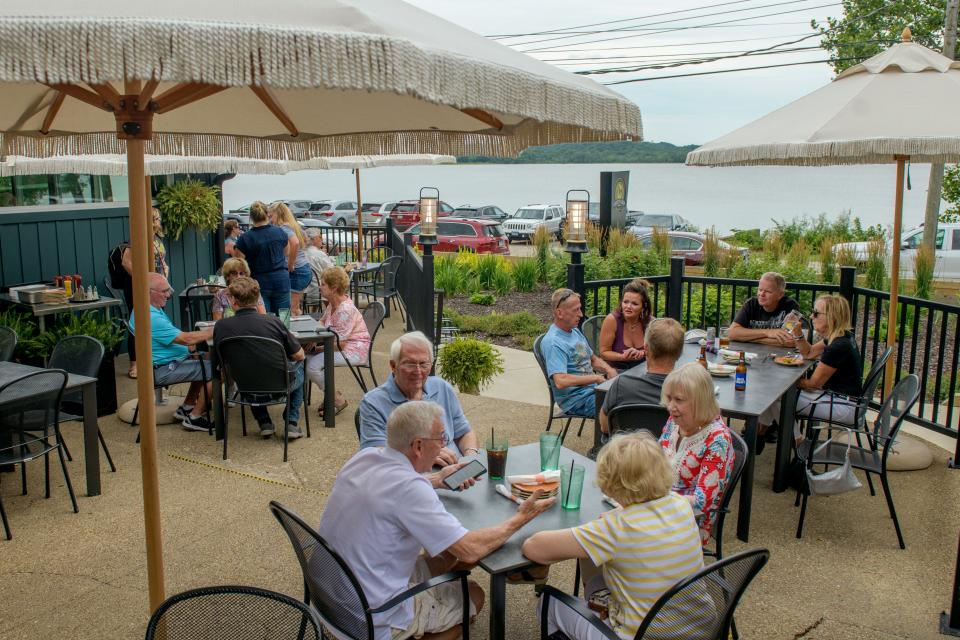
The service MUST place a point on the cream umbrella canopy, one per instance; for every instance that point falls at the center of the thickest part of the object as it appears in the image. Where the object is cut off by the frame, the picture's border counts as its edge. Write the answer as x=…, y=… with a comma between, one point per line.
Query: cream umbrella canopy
x=897, y=106
x=277, y=80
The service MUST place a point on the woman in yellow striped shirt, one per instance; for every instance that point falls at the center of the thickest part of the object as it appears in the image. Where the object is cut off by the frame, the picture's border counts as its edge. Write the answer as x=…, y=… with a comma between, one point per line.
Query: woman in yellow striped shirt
x=637, y=551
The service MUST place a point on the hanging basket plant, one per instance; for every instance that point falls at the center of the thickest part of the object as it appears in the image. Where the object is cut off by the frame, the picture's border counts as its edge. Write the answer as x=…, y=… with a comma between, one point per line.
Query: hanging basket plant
x=189, y=203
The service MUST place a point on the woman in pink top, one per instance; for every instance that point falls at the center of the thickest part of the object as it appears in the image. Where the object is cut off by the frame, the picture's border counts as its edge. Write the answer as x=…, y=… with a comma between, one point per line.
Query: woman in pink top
x=342, y=317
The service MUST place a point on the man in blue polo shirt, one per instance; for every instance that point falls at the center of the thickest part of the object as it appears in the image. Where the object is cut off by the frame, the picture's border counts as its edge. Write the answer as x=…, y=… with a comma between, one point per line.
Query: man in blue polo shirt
x=171, y=364
x=411, y=358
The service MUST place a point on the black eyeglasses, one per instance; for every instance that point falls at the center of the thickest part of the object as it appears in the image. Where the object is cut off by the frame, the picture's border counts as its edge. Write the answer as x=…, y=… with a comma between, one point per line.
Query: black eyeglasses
x=815, y=313
x=564, y=297
x=444, y=440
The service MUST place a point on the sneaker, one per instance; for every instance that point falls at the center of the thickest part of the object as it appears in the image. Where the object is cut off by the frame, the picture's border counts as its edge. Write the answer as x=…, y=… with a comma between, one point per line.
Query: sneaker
x=183, y=411
x=293, y=432
x=267, y=429
x=197, y=423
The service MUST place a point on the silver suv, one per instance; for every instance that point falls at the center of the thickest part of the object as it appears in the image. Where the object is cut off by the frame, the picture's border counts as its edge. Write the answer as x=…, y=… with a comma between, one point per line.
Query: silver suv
x=525, y=222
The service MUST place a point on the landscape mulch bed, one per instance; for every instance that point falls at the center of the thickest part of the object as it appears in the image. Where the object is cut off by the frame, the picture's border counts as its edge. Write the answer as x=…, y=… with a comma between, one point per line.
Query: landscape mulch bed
x=536, y=302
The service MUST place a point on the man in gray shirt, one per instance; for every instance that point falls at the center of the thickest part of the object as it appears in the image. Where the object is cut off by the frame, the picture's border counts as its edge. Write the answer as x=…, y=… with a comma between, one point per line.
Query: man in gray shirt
x=664, y=345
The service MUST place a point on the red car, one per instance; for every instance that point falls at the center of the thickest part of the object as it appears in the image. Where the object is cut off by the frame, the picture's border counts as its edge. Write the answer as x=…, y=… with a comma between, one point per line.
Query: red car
x=480, y=236
x=406, y=213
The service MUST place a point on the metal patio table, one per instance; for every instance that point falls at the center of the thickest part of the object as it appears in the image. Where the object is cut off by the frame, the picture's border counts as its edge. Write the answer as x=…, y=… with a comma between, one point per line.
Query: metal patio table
x=304, y=329
x=88, y=386
x=44, y=309
x=767, y=382
x=356, y=278
x=481, y=506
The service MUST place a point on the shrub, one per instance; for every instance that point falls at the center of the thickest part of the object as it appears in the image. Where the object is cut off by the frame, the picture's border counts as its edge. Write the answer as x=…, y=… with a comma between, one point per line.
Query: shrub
x=774, y=245
x=522, y=326
x=636, y=262
x=26, y=329
x=751, y=238
x=923, y=263
x=876, y=267
x=486, y=299
x=828, y=262
x=711, y=254
x=525, y=274
x=470, y=364
x=541, y=240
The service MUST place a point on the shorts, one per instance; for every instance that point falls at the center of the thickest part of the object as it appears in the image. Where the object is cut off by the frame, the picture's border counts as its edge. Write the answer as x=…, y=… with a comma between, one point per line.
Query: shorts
x=434, y=610
x=187, y=370
x=300, y=278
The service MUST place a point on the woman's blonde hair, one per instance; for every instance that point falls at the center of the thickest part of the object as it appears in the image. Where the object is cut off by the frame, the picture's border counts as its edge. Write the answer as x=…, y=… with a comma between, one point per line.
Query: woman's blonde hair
x=156, y=212
x=235, y=265
x=836, y=309
x=287, y=219
x=336, y=278
x=632, y=468
x=693, y=381
x=258, y=212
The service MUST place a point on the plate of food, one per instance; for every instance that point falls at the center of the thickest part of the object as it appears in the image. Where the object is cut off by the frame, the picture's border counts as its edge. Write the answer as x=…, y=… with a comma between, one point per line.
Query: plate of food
x=720, y=370
x=789, y=360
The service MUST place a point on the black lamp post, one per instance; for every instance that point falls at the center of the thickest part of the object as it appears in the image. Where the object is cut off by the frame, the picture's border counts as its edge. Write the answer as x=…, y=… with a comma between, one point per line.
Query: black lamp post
x=578, y=209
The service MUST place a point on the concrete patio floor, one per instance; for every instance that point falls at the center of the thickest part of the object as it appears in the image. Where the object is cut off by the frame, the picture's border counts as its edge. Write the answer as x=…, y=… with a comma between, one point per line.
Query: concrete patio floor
x=83, y=575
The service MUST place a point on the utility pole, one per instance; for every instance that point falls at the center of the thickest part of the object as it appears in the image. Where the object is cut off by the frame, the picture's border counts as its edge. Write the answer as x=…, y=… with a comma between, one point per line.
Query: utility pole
x=935, y=187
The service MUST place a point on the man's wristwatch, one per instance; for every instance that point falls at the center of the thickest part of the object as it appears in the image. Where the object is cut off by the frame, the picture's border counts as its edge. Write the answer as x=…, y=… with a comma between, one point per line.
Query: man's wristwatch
x=469, y=449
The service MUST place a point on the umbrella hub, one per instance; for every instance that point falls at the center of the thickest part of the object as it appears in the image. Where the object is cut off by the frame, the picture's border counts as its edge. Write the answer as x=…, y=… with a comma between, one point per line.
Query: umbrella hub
x=134, y=119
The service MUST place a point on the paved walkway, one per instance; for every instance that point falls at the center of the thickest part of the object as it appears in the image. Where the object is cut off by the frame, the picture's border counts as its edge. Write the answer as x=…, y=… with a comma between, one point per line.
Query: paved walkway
x=82, y=575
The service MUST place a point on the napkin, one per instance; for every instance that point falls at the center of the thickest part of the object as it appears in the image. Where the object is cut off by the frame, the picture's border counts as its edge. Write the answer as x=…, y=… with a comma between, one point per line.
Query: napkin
x=537, y=478
x=729, y=353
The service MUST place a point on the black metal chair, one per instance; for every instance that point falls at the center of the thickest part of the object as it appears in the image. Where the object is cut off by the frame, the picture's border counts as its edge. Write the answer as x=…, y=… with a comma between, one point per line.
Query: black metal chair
x=8, y=343
x=356, y=422
x=198, y=301
x=379, y=254
x=334, y=591
x=373, y=316
x=258, y=368
x=383, y=285
x=29, y=404
x=740, y=456
x=591, y=331
x=79, y=355
x=699, y=607
x=870, y=459
x=633, y=416
x=117, y=295
x=555, y=412
x=313, y=304
x=234, y=612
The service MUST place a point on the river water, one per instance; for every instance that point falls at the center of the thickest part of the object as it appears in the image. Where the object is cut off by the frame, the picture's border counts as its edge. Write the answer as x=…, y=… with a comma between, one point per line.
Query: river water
x=727, y=198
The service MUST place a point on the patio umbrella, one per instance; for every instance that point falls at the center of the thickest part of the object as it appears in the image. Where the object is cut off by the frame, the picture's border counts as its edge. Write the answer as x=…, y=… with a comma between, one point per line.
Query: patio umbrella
x=279, y=80
x=898, y=106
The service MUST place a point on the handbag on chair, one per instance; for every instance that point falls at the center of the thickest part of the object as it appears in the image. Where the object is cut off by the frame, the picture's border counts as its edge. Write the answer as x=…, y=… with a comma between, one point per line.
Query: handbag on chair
x=834, y=481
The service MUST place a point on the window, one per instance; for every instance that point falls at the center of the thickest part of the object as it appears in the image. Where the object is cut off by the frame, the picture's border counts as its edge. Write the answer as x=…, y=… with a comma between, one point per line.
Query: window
x=345, y=206
x=407, y=207
x=499, y=213
x=64, y=188
x=465, y=212
x=444, y=207
x=369, y=206
x=955, y=245
x=493, y=231
x=680, y=243
x=529, y=214
x=648, y=220
x=455, y=229
x=914, y=241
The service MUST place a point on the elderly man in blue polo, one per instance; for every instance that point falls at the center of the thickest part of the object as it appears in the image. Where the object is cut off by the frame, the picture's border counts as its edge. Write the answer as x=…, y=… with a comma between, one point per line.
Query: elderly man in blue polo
x=411, y=359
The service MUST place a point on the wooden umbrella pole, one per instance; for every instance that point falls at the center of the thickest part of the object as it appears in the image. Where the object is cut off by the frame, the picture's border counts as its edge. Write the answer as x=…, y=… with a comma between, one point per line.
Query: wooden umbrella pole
x=894, y=278
x=356, y=172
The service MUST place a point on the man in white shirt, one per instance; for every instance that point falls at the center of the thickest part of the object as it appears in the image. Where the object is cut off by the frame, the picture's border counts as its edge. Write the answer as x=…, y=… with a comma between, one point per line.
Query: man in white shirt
x=384, y=510
x=319, y=262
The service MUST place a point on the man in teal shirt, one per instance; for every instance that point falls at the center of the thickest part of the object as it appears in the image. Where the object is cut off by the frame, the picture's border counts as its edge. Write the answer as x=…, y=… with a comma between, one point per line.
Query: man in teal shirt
x=171, y=364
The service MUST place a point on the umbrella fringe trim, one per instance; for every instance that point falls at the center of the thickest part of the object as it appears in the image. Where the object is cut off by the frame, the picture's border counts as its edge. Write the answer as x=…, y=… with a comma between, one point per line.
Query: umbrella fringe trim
x=872, y=151
x=58, y=50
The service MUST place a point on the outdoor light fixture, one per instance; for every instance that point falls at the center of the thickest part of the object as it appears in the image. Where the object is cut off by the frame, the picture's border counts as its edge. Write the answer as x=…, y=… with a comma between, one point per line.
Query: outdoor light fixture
x=578, y=210
x=429, y=209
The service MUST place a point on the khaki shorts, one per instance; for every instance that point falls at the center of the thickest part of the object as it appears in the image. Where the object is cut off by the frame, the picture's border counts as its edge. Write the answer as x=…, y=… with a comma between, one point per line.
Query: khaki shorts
x=434, y=610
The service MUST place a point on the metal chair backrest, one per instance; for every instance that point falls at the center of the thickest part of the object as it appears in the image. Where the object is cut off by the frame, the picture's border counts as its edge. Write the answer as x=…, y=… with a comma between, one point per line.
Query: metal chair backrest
x=330, y=585
x=32, y=402
x=591, y=331
x=356, y=422
x=8, y=343
x=234, y=612
x=379, y=254
x=389, y=269
x=894, y=409
x=701, y=606
x=740, y=455
x=199, y=301
x=373, y=317
x=538, y=354
x=117, y=295
x=80, y=355
x=629, y=417
x=256, y=364
x=870, y=385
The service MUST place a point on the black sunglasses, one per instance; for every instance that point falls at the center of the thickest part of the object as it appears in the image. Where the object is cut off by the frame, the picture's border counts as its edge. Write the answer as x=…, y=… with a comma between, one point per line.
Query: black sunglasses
x=564, y=297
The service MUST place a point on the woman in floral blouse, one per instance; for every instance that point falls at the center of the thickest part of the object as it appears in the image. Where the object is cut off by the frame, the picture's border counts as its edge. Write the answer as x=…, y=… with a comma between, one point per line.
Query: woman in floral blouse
x=697, y=442
x=341, y=316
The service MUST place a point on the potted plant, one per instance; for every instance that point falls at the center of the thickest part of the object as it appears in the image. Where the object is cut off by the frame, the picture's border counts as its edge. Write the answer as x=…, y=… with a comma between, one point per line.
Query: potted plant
x=29, y=351
x=469, y=364
x=189, y=203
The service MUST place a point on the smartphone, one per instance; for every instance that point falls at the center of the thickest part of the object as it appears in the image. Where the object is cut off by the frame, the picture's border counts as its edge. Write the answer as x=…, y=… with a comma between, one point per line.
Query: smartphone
x=473, y=469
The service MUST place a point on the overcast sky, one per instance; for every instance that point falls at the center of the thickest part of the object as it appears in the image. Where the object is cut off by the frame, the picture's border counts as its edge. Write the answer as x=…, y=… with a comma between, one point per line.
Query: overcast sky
x=690, y=110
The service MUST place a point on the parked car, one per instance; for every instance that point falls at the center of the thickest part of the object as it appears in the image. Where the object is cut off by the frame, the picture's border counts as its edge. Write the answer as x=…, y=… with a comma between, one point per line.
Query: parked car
x=481, y=212
x=947, y=245
x=297, y=207
x=406, y=213
x=524, y=223
x=688, y=245
x=480, y=236
x=646, y=222
x=339, y=213
x=241, y=215
x=375, y=214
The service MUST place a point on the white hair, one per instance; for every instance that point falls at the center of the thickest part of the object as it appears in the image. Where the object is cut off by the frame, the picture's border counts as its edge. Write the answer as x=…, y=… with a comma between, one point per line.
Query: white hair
x=410, y=421
x=414, y=338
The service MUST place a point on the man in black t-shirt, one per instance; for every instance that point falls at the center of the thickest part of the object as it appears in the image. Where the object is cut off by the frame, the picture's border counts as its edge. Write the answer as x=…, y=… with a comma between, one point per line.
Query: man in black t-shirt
x=760, y=319
x=244, y=294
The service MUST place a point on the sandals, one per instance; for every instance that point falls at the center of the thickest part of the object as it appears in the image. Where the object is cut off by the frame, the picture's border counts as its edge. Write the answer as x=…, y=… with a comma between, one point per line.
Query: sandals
x=338, y=408
x=132, y=372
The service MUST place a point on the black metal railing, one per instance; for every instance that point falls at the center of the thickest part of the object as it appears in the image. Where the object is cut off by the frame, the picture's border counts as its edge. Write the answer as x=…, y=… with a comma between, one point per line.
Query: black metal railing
x=414, y=282
x=345, y=240
x=927, y=331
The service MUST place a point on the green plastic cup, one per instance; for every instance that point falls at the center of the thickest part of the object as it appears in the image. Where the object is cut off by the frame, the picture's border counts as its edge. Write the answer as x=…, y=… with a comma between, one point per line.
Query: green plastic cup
x=497, y=458
x=284, y=317
x=549, y=451
x=571, y=490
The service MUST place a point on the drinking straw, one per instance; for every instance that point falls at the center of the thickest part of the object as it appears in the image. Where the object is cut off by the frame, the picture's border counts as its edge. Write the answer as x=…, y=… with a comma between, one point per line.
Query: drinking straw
x=566, y=500
x=493, y=438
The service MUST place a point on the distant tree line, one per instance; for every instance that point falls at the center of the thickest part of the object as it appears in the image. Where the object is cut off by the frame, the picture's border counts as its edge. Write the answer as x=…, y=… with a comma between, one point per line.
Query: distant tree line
x=622, y=152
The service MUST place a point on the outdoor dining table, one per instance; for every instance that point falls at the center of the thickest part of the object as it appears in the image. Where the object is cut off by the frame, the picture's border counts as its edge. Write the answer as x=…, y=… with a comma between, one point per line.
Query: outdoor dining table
x=305, y=329
x=42, y=310
x=767, y=382
x=10, y=371
x=357, y=276
x=481, y=506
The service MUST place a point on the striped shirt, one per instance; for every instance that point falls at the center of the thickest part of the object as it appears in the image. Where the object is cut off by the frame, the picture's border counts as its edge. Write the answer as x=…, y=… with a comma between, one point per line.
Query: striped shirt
x=643, y=550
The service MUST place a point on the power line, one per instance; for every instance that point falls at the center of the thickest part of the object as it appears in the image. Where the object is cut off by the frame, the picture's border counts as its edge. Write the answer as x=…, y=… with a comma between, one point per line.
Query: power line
x=692, y=61
x=573, y=61
x=710, y=73
x=686, y=44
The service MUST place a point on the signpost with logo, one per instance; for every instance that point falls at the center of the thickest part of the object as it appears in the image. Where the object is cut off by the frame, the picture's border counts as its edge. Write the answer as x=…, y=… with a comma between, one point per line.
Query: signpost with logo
x=613, y=203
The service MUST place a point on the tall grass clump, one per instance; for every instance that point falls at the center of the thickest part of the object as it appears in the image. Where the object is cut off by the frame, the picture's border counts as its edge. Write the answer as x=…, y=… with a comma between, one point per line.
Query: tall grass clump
x=828, y=261
x=448, y=276
x=620, y=240
x=525, y=273
x=875, y=269
x=660, y=242
x=594, y=236
x=798, y=257
x=774, y=245
x=711, y=254
x=487, y=267
x=502, y=279
x=541, y=240
x=923, y=263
